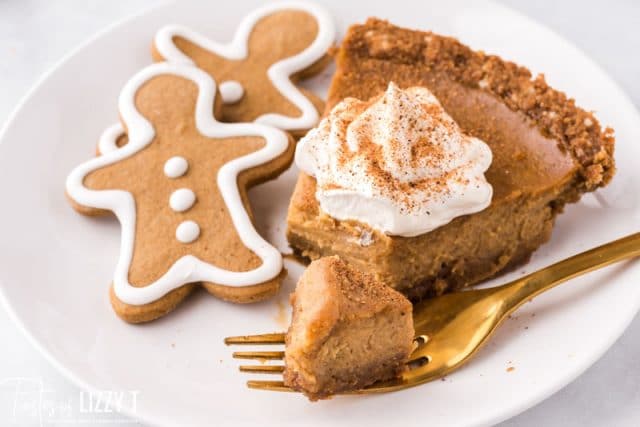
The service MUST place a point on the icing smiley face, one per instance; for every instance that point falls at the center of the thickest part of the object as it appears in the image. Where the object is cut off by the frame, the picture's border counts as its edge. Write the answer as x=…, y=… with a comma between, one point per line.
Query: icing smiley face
x=183, y=222
x=273, y=48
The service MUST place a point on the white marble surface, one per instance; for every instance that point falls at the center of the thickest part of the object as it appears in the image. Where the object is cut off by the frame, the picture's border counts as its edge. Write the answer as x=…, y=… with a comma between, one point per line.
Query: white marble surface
x=36, y=33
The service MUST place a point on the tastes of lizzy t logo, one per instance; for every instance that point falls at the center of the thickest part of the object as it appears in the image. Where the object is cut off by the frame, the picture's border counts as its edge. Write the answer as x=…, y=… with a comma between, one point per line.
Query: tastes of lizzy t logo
x=30, y=402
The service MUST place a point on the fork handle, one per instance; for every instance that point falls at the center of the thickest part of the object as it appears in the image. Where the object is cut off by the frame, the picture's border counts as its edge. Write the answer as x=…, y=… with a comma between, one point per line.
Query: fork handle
x=525, y=288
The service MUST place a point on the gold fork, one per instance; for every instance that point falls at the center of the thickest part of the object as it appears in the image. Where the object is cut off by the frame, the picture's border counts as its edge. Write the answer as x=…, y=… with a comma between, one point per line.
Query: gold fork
x=450, y=329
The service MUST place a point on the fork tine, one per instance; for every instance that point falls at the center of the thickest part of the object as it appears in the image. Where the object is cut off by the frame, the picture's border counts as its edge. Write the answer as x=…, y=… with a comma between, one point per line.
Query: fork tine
x=276, y=338
x=383, y=387
x=268, y=385
x=262, y=369
x=260, y=355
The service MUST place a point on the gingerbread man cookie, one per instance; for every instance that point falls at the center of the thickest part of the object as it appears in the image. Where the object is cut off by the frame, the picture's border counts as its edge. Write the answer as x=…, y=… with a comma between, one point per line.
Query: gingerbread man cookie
x=178, y=188
x=273, y=48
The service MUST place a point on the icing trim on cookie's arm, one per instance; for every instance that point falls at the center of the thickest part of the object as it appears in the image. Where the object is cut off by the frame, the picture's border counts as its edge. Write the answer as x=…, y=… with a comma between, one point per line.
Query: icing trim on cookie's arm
x=187, y=269
x=108, y=141
x=279, y=73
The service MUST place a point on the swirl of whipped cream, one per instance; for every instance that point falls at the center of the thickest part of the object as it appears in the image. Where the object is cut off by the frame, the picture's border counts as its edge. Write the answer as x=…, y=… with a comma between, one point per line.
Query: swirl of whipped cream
x=398, y=163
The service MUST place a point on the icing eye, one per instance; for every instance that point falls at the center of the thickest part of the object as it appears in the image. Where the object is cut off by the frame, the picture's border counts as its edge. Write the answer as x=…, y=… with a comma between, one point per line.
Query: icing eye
x=187, y=231
x=175, y=167
x=231, y=91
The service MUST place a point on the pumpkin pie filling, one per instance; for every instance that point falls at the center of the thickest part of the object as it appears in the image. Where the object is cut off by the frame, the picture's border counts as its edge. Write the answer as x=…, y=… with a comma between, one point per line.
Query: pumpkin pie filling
x=347, y=331
x=546, y=152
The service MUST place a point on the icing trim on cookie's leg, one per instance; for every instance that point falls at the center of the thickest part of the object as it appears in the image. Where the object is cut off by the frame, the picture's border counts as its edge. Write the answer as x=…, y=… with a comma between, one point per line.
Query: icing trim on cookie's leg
x=188, y=269
x=279, y=73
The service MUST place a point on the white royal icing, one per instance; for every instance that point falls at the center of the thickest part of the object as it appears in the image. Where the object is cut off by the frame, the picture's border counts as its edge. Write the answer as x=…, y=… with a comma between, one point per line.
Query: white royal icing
x=231, y=91
x=189, y=268
x=175, y=167
x=182, y=199
x=109, y=139
x=187, y=231
x=279, y=72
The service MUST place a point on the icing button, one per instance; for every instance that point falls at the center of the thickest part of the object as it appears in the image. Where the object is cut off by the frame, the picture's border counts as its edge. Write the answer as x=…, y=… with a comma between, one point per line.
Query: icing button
x=175, y=167
x=182, y=199
x=231, y=91
x=187, y=231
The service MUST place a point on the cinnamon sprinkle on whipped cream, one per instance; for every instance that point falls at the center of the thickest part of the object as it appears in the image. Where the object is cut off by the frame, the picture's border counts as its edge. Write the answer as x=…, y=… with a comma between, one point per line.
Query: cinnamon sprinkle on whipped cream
x=398, y=163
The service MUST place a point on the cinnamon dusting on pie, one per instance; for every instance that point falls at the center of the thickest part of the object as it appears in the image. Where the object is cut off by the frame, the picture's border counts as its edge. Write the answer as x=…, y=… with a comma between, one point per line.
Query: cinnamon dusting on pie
x=401, y=152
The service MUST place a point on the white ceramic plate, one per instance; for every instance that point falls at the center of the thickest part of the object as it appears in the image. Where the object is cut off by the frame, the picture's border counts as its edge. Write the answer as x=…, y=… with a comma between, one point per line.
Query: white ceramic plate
x=55, y=265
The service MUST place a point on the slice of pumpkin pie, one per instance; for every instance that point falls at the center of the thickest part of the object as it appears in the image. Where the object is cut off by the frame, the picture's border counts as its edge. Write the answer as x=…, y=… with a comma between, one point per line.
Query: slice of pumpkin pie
x=435, y=166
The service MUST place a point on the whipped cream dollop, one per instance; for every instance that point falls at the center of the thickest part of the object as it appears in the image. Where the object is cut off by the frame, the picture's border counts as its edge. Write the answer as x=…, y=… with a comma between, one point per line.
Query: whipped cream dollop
x=398, y=163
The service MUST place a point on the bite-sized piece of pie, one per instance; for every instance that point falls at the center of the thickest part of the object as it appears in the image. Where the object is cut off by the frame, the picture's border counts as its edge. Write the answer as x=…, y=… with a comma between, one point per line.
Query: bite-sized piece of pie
x=546, y=152
x=347, y=332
